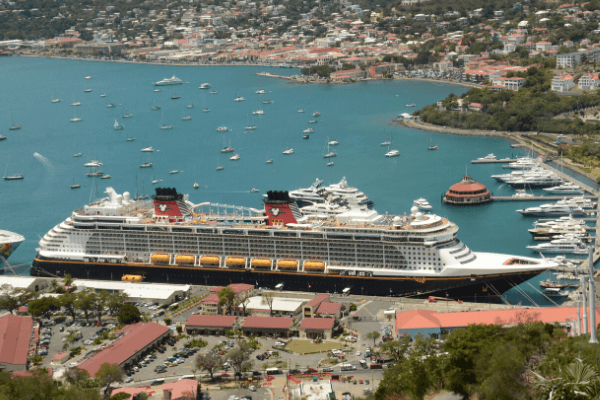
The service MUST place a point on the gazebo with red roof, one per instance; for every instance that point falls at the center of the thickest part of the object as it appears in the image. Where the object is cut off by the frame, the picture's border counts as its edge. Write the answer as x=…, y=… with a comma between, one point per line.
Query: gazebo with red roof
x=467, y=192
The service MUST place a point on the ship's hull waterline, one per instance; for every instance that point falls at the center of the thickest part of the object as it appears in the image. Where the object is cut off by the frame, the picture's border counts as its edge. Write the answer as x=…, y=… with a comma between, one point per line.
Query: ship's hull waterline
x=480, y=288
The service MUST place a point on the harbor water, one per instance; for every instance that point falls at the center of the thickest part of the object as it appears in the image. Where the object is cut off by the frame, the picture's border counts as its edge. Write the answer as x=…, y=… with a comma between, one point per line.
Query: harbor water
x=357, y=116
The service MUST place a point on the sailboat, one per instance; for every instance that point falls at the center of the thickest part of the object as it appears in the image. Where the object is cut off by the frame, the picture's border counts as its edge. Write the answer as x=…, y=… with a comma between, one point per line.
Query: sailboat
x=14, y=177
x=164, y=127
x=75, y=103
x=74, y=185
x=431, y=146
x=219, y=166
x=75, y=118
x=269, y=160
x=186, y=117
x=155, y=181
x=141, y=196
x=196, y=186
x=250, y=126
x=126, y=115
x=392, y=153
x=13, y=126
x=117, y=126
x=175, y=97
x=55, y=100
x=329, y=154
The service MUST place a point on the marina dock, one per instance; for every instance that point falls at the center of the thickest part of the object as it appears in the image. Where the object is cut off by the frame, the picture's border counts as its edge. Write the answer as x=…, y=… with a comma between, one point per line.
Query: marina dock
x=503, y=161
x=537, y=198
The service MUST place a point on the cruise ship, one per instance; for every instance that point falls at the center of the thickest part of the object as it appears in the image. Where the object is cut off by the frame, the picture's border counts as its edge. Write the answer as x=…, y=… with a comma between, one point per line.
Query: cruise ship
x=169, y=81
x=9, y=242
x=170, y=239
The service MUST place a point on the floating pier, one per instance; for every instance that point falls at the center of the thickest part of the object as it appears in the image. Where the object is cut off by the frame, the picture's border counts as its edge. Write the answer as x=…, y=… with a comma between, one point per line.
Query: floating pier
x=537, y=198
x=502, y=161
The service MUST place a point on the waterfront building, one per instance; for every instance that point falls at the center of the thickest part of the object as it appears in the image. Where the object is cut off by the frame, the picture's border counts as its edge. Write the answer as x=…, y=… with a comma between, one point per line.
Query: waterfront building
x=467, y=192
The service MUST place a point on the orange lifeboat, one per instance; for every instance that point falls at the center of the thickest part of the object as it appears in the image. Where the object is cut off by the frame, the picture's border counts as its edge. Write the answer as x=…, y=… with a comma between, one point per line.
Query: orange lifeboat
x=209, y=260
x=160, y=258
x=261, y=262
x=287, y=264
x=235, y=261
x=132, y=278
x=185, y=259
x=314, y=265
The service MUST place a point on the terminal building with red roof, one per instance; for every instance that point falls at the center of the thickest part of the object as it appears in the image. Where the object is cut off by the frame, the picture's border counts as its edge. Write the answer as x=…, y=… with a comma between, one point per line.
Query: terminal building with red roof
x=133, y=342
x=316, y=328
x=434, y=324
x=15, y=336
x=467, y=192
x=268, y=326
x=210, y=324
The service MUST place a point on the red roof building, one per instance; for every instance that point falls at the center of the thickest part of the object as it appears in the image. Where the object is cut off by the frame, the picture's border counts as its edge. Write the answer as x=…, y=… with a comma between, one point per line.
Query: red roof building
x=179, y=390
x=331, y=310
x=267, y=326
x=15, y=335
x=467, y=192
x=128, y=349
x=210, y=324
x=316, y=328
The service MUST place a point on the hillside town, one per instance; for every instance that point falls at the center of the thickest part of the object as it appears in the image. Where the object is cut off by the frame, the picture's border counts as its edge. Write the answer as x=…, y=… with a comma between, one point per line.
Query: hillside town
x=347, y=41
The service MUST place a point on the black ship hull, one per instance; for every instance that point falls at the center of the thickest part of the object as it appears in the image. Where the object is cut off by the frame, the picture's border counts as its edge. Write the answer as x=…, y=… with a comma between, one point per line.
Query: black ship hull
x=479, y=288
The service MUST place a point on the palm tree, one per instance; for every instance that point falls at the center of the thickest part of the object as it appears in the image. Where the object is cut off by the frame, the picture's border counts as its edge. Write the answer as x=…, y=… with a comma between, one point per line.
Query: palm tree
x=575, y=381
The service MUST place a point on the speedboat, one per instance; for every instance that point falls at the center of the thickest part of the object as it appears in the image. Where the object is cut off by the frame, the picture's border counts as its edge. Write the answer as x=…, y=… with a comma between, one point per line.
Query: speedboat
x=204, y=86
x=155, y=108
x=329, y=164
x=175, y=171
x=333, y=143
x=222, y=129
x=392, y=153
x=270, y=161
x=262, y=91
x=155, y=181
x=422, y=204
x=411, y=105
x=105, y=177
x=300, y=111
x=88, y=77
x=93, y=164
x=190, y=106
x=258, y=112
x=288, y=151
x=312, y=121
x=522, y=193
x=75, y=119
x=130, y=139
x=186, y=118
x=309, y=130
x=220, y=168
x=316, y=114
x=157, y=90
x=166, y=127
x=239, y=99
x=214, y=92
x=87, y=90
x=228, y=150
x=234, y=157
x=146, y=165
x=490, y=156
x=305, y=137
x=254, y=190
x=169, y=81
x=77, y=155
x=206, y=110
x=148, y=149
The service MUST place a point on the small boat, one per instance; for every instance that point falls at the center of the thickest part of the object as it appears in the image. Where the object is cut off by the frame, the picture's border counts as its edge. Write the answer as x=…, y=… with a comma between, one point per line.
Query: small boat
x=3, y=137
x=312, y=121
x=556, y=292
x=288, y=151
x=130, y=139
x=146, y=165
x=234, y=157
x=148, y=149
x=386, y=143
x=94, y=174
x=204, y=86
x=117, y=126
x=333, y=143
x=157, y=90
x=175, y=97
x=110, y=105
x=13, y=177
x=490, y=156
x=392, y=153
x=214, y=92
x=258, y=112
x=74, y=185
x=411, y=105
x=239, y=99
x=305, y=137
x=196, y=186
x=175, y=171
x=220, y=168
x=57, y=100
x=548, y=283
x=261, y=91
x=222, y=129
x=155, y=181
x=267, y=101
x=206, y=110
x=76, y=103
x=316, y=114
x=521, y=193
x=270, y=161
x=87, y=90
x=127, y=115
x=309, y=130
x=88, y=77
x=329, y=164
x=155, y=108
x=102, y=95
x=433, y=147
x=250, y=128
x=77, y=155
x=254, y=190
x=93, y=164
x=166, y=127
x=190, y=106
x=74, y=119
x=186, y=118
x=300, y=111
x=105, y=177
x=422, y=204
x=17, y=127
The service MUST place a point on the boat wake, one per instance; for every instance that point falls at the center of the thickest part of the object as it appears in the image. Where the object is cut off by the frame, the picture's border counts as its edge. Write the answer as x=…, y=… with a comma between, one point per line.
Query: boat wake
x=46, y=163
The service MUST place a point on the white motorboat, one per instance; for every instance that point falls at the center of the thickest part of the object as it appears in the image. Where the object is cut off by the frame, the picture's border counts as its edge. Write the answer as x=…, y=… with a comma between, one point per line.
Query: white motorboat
x=110, y=105
x=262, y=91
x=250, y=128
x=411, y=105
x=222, y=129
x=77, y=155
x=254, y=190
x=102, y=95
x=105, y=176
x=522, y=163
x=155, y=181
x=569, y=245
x=301, y=111
x=556, y=292
x=88, y=77
x=228, y=150
x=93, y=164
x=146, y=165
x=490, y=156
x=313, y=121
x=552, y=210
x=333, y=142
x=196, y=185
x=422, y=204
x=565, y=188
x=166, y=127
x=87, y=90
x=206, y=110
x=522, y=193
x=270, y=161
x=175, y=171
x=316, y=114
x=239, y=99
x=186, y=118
x=220, y=168
x=148, y=149
x=309, y=130
x=157, y=90
x=204, y=86
x=258, y=112
x=392, y=153
x=234, y=157
x=330, y=164
x=130, y=139
x=579, y=201
x=169, y=81
x=288, y=151
x=214, y=92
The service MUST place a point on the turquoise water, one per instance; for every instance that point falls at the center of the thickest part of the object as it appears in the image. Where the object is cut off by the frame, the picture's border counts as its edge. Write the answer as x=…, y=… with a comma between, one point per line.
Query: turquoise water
x=356, y=115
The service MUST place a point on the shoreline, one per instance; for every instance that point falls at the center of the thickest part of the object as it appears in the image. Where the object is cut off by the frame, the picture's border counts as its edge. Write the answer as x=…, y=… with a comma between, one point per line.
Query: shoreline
x=447, y=82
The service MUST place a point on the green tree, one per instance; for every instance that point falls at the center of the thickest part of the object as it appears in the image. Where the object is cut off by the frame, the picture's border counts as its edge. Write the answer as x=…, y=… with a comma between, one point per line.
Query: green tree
x=43, y=307
x=67, y=279
x=267, y=299
x=576, y=381
x=373, y=335
x=129, y=314
x=69, y=302
x=226, y=298
x=109, y=374
x=85, y=302
x=115, y=300
x=210, y=363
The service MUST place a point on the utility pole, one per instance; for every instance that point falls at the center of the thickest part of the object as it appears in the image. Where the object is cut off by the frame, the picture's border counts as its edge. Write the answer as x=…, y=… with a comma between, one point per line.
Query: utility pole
x=593, y=338
x=578, y=330
x=583, y=299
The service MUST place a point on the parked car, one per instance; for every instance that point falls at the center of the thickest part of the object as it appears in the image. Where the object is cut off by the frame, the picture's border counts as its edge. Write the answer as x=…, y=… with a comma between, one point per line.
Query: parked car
x=128, y=379
x=260, y=357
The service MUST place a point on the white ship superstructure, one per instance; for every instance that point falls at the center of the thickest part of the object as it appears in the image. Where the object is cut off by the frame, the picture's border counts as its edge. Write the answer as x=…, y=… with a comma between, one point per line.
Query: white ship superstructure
x=171, y=239
x=169, y=81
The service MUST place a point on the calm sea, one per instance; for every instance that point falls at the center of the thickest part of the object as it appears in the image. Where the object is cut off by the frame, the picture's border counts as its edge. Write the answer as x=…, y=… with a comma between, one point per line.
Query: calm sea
x=356, y=115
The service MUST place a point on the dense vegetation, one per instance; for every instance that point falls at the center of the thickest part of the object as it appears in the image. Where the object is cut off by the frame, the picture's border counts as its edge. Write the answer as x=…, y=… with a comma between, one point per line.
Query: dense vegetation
x=490, y=362
x=530, y=109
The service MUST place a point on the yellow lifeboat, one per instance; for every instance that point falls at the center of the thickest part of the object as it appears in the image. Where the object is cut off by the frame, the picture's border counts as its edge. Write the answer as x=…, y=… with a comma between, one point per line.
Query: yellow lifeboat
x=261, y=262
x=132, y=278
x=235, y=261
x=160, y=258
x=287, y=264
x=210, y=260
x=184, y=259
x=314, y=265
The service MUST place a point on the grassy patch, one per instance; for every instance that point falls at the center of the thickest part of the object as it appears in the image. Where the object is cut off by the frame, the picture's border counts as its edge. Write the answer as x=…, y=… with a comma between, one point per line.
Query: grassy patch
x=306, y=346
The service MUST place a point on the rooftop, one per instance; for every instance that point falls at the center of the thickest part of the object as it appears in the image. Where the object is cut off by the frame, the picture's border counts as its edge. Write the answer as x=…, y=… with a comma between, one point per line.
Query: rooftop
x=282, y=304
x=161, y=291
x=268, y=322
x=321, y=324
x=221, y=321
x=15, y=334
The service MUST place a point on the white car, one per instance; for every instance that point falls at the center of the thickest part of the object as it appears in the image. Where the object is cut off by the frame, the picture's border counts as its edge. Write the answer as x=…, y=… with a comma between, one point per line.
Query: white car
x=252, y=388
x=128, y=379
x=73, y=365
x=180, y=360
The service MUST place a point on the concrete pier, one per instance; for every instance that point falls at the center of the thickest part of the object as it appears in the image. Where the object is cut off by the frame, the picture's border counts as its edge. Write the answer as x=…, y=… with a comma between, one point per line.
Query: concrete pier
x=504, y=160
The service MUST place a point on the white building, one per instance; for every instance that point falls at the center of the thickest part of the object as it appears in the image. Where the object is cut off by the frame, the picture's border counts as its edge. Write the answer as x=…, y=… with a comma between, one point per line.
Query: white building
x=282, y=306
x=568, y=60
x=562, y=82
x=589, y=81
x=30, y=284
x=161, y=293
